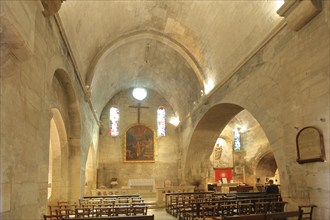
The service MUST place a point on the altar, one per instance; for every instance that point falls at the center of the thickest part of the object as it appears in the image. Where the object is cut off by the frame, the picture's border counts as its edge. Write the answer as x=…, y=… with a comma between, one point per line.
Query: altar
x=148, y=184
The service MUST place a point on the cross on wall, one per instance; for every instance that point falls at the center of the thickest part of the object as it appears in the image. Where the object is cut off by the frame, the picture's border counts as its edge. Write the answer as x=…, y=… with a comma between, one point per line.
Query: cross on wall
x=138, y=106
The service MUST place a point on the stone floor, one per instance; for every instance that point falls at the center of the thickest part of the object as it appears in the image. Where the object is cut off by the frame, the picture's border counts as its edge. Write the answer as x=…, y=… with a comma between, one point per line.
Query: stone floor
x=160, y=214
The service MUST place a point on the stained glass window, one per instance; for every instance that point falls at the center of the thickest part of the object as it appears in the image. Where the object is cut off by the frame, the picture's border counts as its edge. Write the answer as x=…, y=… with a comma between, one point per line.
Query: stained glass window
x=114, y=121
x=237, y=139
x=161, y=121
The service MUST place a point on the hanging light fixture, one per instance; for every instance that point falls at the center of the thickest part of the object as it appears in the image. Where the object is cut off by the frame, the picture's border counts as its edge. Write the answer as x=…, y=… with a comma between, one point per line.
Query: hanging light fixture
x=139, y=93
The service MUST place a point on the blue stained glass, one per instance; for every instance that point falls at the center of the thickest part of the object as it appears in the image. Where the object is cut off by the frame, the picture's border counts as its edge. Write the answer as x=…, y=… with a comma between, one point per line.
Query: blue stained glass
x=237, y=139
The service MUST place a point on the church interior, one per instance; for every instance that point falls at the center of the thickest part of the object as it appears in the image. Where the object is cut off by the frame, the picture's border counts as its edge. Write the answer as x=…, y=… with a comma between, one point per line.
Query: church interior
x=162, y=99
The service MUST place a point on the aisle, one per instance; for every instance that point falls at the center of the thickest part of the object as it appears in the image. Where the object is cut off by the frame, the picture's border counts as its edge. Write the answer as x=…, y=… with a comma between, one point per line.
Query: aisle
x=160, y=214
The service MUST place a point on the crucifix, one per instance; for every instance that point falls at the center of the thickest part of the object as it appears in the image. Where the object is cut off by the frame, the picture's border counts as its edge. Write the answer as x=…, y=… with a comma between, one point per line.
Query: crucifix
x=138, y=106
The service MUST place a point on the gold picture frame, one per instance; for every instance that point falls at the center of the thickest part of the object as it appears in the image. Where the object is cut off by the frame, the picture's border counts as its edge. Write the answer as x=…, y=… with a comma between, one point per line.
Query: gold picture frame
x=139, y=144
x=310, y=145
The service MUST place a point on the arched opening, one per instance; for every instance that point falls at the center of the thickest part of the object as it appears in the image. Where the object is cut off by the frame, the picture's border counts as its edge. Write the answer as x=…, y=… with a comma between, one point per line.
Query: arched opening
x=252, y=163
x=65, y=100
x=267, y=169
x=215, y=141
x=203, y=139
x=90, y=172
x=58, y=160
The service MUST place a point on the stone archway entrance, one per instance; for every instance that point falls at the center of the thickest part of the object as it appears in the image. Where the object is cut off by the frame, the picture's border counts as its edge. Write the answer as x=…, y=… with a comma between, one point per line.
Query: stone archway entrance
x=58, y=160
x=219, y=123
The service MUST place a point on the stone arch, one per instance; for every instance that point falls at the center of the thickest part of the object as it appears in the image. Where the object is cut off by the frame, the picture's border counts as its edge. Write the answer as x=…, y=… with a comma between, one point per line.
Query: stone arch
x=58, y=159
x=67, y=103
x=147, y=34
x=266, y=166
x=90, y=171
x=203, y=138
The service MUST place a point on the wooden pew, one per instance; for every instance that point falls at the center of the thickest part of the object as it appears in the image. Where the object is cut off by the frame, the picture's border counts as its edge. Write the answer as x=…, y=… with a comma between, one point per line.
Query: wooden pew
x=136, y=217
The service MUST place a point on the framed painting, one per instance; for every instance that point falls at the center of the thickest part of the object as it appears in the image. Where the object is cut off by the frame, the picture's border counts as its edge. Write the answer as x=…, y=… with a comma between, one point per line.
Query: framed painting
x=139, y=144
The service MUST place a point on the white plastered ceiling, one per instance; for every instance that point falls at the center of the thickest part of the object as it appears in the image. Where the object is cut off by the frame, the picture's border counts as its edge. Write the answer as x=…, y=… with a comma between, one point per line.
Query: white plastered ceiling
x=171, y=47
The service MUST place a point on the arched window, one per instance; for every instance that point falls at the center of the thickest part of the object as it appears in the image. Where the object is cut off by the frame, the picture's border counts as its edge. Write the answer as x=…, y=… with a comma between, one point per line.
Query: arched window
x=237, y=139
x=114, y=121
x=161, y=121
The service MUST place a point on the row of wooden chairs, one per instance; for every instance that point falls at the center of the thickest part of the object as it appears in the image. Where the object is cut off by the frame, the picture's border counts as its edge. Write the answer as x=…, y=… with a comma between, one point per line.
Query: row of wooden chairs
x=99, y=207
x=217, y=208
x=106, y=201
x=229, y=205
x=171, y=198
x=99, y=211
x=266, y=216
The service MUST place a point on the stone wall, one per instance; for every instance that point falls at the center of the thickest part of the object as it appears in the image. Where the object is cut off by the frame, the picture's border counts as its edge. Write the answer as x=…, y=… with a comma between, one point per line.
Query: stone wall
x=27, y=97
x=285, y=86
x=111, y=149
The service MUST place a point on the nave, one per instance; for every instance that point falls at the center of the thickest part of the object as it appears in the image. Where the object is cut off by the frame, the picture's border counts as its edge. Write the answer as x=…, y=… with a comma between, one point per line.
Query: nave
x=234, y=93
x=183, y=206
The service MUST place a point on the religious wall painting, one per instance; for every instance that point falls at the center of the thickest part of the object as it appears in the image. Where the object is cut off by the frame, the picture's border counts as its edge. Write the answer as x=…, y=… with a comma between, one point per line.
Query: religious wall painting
x=139, y=144
x=222, y=155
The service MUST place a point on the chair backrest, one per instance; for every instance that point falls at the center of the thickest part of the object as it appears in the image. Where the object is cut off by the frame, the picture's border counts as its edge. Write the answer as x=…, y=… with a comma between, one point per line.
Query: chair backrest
x=137, y=217
x=246, y=217
x=52, y=217
x=61, y=203
x=284, y=215
x=307, y=211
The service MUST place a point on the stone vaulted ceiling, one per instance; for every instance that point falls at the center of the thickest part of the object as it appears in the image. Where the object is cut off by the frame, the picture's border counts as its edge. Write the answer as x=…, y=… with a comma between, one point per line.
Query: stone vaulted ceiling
x=172, y=47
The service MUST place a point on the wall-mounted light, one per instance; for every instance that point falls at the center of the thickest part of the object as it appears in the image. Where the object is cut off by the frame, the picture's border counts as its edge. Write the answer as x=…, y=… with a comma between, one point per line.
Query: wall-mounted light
x=208, y=86
x=175, y=121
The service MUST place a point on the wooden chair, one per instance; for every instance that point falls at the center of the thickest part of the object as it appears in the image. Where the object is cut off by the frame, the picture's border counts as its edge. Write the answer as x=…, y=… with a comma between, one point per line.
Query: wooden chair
x=139, y=210
x=307, y=211
x=284, y=215
x=278, y=206
x=245, y=208
x=62, y=203
x=208, y=210
x=122, y=210
x=191, y=212
x=63, y=212
x=52, y=209
x=228, y=209
x=104, y=211
x=82, y=212
x=262, y=207
x=52, y=217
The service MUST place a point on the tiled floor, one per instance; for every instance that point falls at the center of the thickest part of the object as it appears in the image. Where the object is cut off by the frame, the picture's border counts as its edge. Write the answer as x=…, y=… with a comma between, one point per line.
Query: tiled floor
x=160, y=214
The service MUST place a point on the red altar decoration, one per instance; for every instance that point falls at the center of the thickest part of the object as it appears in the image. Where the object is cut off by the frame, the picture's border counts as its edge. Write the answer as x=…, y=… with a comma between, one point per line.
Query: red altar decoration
x=223, y=173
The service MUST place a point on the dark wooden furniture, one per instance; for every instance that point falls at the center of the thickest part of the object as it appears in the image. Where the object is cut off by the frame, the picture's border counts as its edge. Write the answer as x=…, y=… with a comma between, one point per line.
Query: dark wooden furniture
x=307, y=211
x=136, y=217
x=284, y=215
x=245, y=217
x=267, y=216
